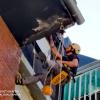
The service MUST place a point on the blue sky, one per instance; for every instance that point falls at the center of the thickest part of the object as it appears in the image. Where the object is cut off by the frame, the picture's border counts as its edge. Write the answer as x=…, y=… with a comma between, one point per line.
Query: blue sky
x=87, y=34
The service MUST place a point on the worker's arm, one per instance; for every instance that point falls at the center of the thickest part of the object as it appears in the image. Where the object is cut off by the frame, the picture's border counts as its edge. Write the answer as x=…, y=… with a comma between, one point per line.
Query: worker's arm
x=73, y=63
x=54, y=49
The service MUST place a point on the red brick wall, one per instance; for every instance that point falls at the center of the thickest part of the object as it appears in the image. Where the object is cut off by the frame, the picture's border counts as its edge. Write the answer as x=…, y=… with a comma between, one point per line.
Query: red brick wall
x=9, y=61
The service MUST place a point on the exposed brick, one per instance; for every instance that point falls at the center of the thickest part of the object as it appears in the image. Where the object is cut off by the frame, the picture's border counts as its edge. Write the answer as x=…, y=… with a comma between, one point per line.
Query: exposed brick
x=10, y=55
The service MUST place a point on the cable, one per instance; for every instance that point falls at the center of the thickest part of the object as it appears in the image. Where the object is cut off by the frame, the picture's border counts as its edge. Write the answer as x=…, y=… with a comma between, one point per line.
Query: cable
x=62, y=52
x=33, y=55
x=52, y=65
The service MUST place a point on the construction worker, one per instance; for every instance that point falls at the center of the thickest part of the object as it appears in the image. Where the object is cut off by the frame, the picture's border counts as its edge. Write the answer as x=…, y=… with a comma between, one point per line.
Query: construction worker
x=68, y=62
x=71, y=60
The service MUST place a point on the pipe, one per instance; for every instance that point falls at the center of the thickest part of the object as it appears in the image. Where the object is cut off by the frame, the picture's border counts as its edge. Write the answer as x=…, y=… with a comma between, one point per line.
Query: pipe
x=71, y=5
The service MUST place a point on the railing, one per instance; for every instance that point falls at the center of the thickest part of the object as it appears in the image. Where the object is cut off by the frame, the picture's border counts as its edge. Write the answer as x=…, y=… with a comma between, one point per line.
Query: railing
x=88, y=67
x=87, y=83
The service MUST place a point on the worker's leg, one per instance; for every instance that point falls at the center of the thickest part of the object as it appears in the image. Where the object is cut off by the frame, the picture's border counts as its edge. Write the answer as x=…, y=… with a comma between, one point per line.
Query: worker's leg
x=30, y=79
x=52, y=64
x=54, y=67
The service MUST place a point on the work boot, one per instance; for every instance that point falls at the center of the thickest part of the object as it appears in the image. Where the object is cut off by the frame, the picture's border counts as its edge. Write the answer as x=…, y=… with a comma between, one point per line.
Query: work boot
x=18, y=79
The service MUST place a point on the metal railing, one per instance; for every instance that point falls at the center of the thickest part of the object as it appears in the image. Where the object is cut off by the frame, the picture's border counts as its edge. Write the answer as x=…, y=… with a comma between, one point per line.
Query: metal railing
x=87, y=83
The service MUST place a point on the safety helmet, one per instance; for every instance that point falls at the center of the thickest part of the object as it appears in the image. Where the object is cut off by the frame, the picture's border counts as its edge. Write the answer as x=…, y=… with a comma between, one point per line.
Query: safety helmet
x=76, y=48
x=47, y=90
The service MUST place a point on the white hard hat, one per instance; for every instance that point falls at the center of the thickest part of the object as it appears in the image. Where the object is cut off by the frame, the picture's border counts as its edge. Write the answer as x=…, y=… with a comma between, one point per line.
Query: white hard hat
x=76, y=47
